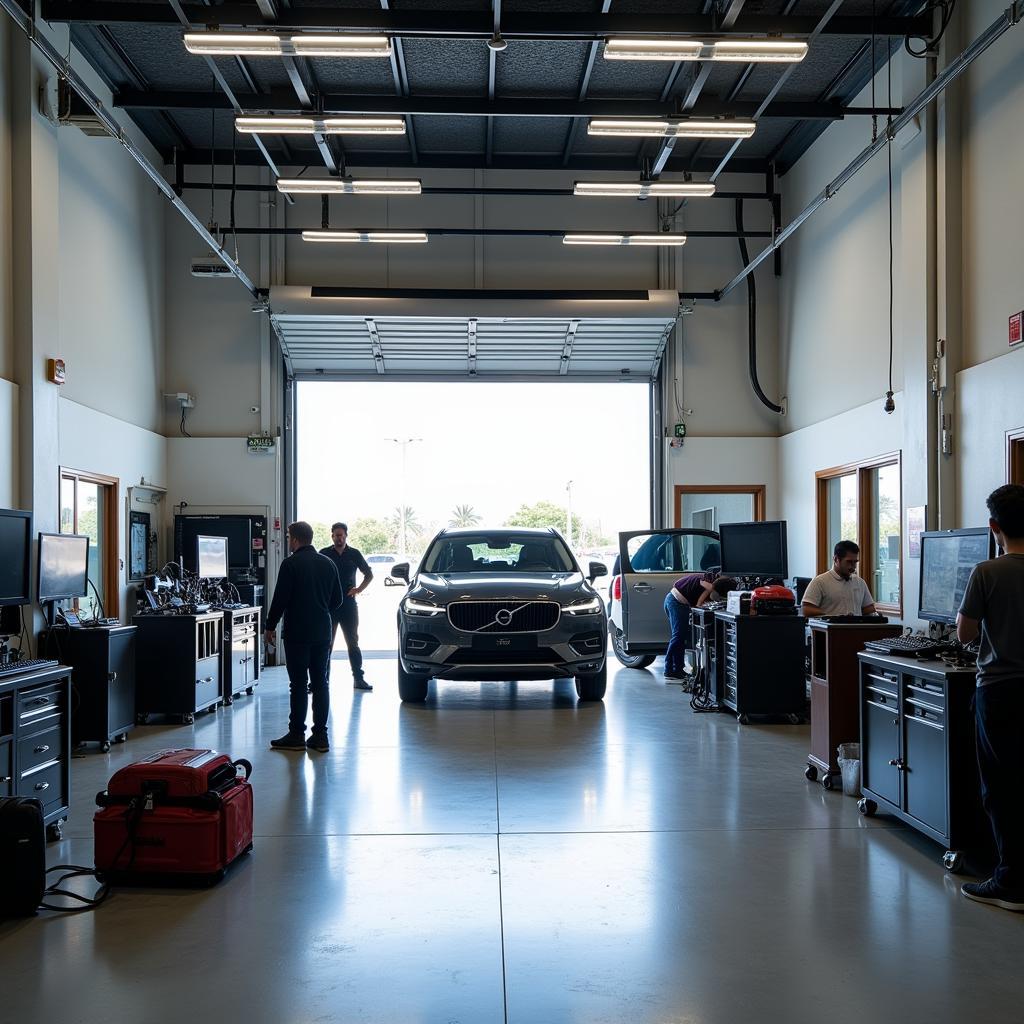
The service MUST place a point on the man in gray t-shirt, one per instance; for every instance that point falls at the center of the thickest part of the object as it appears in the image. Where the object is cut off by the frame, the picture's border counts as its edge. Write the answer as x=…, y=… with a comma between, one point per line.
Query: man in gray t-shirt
x=993, y=607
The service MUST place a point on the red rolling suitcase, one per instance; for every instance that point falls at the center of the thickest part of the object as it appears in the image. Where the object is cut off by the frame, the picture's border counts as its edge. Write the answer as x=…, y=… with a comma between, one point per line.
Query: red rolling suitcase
x=178, y=815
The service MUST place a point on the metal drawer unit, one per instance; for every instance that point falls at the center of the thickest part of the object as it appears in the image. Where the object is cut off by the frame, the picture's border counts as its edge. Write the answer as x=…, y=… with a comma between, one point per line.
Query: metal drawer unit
x=918, y=759
x=240, y=666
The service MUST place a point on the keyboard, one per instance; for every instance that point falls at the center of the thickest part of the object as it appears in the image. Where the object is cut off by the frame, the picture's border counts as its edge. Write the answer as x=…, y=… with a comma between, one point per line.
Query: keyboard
x=26, y=665
x=851, y=620
x=914, y=645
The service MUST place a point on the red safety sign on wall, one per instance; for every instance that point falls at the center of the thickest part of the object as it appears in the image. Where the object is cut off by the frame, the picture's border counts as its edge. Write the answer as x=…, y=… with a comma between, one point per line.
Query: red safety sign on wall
x=1015, y=328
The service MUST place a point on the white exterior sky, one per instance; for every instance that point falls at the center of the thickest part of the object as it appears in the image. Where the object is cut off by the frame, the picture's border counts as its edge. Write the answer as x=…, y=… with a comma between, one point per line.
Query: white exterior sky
x=491, y=445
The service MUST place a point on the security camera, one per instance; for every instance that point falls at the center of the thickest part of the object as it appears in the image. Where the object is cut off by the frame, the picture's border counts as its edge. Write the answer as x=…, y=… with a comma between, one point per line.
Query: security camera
x=254, y=409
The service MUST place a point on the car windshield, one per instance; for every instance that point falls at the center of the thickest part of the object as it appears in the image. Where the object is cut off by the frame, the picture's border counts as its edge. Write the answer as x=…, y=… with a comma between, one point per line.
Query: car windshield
x=498, y=552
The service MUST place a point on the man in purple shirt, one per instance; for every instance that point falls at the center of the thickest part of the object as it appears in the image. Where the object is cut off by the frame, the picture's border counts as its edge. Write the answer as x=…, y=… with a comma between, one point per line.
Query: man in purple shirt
x=689, y=591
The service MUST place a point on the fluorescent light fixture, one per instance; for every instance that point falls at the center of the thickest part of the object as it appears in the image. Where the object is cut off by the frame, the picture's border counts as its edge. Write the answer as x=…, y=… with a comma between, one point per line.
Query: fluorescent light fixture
x=267, y=44
x=653, y=49
x=593, y=239
x=680, y=129
x=350, y=186
x=753, y=51
x=645, y=189
x=400, y=237
x=322, y=125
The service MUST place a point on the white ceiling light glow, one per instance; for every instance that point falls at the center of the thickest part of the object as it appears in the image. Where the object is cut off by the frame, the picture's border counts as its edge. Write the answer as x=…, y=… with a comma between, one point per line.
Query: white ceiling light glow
x=645, y=189
x=267, y=44
x=321, y=125
x=394, y=237
x=350, y=186
x=681, y=129
x=595, y=239
x=751, y=51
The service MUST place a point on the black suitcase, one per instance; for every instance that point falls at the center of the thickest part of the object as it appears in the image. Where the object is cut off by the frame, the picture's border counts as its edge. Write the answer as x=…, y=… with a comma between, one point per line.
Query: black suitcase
x=22, y=856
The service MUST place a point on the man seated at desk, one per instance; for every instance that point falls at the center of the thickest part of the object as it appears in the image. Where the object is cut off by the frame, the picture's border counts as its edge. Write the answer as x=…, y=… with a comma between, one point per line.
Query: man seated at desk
x=839, y=591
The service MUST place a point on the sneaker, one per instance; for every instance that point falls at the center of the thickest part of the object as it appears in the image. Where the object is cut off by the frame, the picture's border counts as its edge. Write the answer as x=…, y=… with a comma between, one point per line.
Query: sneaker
x=289, y=741
x=991, y=892
x=361, y=684
x=318, y=742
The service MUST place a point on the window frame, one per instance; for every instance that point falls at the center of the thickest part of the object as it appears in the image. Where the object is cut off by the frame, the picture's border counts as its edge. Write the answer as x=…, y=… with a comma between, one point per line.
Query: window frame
x=1015, y=456
x=864, y=472
x=110, y=489
x=757, y=491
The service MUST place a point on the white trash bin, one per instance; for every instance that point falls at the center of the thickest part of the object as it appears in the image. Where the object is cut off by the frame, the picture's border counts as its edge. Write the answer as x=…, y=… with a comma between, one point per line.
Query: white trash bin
x=849, y=765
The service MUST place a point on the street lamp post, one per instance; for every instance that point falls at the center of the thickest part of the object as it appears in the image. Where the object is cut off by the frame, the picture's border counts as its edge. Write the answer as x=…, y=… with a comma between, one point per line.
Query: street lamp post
x=402, y=539
x=568, y=516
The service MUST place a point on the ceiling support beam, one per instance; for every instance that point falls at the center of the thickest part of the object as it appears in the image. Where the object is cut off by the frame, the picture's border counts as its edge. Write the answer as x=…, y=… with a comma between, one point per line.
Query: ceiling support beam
x=588, y=70
x=479, y=24
x=487, y=232
x=400, y=73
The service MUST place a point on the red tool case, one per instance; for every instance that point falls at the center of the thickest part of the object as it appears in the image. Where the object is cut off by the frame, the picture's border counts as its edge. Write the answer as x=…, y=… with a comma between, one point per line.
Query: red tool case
x=773, y=600
x=179, y=814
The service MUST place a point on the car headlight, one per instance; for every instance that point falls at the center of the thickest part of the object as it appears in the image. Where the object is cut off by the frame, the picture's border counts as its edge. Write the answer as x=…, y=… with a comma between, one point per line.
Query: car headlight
x=589, y=607
x=420, y=607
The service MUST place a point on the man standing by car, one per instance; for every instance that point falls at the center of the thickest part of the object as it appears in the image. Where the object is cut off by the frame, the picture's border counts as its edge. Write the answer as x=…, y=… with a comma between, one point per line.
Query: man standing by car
x=838, y=591
x=348, y=560
x=309, y=595
x=689, y=591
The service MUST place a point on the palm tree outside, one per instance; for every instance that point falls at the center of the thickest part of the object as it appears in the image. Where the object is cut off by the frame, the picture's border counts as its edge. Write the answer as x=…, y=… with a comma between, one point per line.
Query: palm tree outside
x=464, y=516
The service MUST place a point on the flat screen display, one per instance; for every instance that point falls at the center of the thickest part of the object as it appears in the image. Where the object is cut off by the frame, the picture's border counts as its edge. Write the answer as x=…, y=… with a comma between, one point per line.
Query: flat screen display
x=212, y=557
x=947, y=559
x=754, y=549
x=15, y=542
x=238, y=530
x=63, y=566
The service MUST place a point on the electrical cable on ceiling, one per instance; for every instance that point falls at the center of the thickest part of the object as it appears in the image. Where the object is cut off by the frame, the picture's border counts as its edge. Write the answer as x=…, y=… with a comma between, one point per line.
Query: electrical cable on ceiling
x=890, y=404
x=184, y=432
x=874, y=115
x=234, y=185
x=947, y=7
x=752, y=316
x=213, y=153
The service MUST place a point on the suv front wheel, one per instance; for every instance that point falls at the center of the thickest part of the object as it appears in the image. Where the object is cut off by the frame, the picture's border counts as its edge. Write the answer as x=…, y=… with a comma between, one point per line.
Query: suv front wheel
x=629, y=660
x=592, y=685
x=412, y=688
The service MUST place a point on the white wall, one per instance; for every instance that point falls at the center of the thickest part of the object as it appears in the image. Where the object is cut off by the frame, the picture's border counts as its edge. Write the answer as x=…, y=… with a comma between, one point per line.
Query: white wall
x=8, y=444
x=6, y=240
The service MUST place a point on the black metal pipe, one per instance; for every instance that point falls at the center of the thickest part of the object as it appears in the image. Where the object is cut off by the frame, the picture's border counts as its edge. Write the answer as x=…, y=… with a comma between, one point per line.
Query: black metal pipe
x=751, y=317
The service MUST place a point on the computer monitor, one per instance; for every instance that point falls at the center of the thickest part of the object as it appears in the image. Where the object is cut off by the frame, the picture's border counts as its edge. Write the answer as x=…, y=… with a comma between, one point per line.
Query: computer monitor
x=243, y=534
x=63, y=566
x=947, y=560
x=212, y=557
x=754, y=549
x=15, y=555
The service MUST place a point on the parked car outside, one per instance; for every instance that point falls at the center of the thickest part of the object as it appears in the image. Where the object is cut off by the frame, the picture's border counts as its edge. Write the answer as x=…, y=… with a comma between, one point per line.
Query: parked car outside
x=502, y=604
x=650, y=561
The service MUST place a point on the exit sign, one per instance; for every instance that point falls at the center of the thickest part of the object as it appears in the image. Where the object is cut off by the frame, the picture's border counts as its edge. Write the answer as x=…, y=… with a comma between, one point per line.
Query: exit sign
x=260, y=443
x=1015, y=328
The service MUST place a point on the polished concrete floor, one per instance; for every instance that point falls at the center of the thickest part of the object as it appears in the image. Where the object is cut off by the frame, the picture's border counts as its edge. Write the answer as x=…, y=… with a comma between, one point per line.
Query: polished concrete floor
x=501, y=854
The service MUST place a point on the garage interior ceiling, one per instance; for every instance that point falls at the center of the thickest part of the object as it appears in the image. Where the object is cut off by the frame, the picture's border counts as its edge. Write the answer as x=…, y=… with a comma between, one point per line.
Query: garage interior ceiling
x=325, y=333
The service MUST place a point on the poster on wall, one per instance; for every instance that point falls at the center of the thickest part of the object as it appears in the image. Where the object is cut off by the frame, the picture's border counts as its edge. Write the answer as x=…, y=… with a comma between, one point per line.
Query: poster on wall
x=915, y=527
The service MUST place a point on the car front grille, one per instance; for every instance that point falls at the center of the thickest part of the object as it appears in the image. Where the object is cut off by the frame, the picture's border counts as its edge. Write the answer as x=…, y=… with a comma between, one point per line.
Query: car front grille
x=522, y=617
x=469, y=656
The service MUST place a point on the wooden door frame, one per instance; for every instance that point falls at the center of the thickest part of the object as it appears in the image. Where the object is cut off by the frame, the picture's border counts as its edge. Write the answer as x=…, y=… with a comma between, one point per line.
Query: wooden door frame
x=111, y=531
x=757, y=491
x=1015, y=456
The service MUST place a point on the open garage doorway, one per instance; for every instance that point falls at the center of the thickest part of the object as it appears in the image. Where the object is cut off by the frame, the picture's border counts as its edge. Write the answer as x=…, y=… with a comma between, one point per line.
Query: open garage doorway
x=397, y=461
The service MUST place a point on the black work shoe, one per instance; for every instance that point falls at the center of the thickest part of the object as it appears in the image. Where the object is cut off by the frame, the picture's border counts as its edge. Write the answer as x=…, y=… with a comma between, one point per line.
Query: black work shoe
x=361, y=684
x=991, y=892
x=289, y=741
x=318, y=742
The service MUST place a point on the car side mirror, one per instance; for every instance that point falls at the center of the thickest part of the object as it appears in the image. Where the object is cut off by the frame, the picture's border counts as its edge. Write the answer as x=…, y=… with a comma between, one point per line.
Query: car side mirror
x=597, y=569
x=390, y=581
x=400, y=572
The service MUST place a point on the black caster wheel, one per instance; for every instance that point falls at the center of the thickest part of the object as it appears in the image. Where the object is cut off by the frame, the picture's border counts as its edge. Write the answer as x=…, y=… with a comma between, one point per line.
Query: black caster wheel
x=188, y=719
x=953, y=861
x=121, y=737
x=55, y=831
x=250, y=690
x=743, y=719
x=867, y=807
x=212, y=709
x=810, y=773
x=142, y=718
x=826, y=781
x=228, y=701
x=794, y=719
x=105, y=747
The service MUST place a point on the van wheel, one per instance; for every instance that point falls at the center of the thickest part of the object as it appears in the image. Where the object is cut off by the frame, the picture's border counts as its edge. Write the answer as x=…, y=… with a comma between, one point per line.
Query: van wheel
x=592, y=685
x=629, y=660
x=412, y=689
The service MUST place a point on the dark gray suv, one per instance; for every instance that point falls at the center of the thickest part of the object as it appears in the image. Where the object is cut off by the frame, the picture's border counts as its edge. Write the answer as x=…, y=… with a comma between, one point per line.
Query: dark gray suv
x=501, y=604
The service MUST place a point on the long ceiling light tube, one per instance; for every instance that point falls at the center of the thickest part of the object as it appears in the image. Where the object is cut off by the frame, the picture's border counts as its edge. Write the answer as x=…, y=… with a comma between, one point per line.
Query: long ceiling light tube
x=599, y=239
x=350, y=186
x=645, y=189
x=681, y=128
x=393, y=237
x=268, y=44
x=320, y=125
x=749, y=51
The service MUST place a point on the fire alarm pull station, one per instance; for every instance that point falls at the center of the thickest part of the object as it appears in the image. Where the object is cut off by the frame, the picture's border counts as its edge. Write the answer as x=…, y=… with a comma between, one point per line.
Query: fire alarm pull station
x=1015, y=328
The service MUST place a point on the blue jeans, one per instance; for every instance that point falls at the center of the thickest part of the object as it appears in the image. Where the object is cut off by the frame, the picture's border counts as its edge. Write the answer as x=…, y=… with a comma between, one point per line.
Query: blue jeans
x=681, y=634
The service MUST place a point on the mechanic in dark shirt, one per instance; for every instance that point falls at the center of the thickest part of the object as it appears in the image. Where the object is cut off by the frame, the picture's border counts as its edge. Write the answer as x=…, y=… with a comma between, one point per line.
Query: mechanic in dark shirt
x=993, y=609
x=348, y=560
x=308, y=594
x=689, y=591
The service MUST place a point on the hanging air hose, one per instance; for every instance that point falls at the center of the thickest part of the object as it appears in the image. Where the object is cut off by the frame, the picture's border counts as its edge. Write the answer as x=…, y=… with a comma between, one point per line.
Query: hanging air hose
x=752, y=315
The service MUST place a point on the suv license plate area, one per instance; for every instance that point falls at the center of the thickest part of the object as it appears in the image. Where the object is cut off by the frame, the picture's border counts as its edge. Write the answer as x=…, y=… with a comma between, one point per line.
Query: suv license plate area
x=497, y=642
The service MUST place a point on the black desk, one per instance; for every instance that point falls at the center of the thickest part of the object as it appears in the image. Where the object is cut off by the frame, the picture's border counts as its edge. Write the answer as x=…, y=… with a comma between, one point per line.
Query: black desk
x=917, y=749
x=35, y=741
x=103, y=659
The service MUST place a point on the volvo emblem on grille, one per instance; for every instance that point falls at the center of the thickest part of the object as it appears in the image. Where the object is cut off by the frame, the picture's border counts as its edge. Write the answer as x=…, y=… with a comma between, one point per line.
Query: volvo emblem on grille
x=504, y=617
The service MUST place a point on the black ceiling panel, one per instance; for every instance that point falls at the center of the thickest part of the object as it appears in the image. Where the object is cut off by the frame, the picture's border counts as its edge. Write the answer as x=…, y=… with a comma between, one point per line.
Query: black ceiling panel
x=446, y=67
x=535, y=67
x=450, y=134
x=530, y=135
